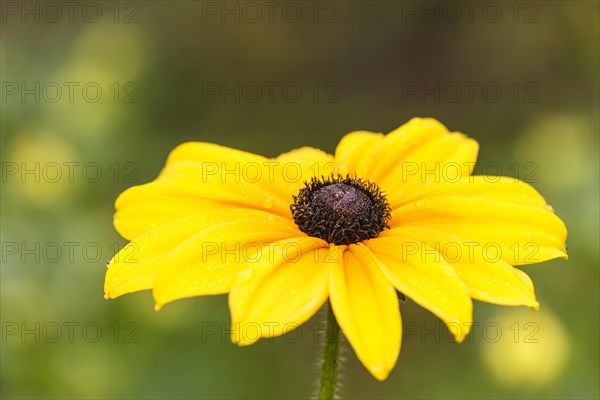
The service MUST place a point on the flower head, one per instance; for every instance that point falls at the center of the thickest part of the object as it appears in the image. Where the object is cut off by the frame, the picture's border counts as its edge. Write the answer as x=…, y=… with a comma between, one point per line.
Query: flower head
x=386, y=213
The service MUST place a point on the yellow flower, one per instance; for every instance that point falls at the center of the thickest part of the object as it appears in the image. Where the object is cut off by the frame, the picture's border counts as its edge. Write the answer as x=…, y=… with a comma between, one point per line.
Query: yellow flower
x=386, y=213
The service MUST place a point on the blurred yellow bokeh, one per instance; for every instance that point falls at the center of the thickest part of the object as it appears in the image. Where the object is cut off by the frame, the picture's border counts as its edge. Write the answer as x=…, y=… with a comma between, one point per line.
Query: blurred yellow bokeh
x=527, y=348
x=40, y=167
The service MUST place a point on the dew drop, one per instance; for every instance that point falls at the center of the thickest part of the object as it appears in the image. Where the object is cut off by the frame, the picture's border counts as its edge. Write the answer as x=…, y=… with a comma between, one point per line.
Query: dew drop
x=268, y=203
x=529, y=234
x=401, y=192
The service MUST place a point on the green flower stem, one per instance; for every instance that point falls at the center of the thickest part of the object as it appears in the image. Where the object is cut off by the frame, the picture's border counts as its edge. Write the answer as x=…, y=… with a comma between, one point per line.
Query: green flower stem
x=331, y=357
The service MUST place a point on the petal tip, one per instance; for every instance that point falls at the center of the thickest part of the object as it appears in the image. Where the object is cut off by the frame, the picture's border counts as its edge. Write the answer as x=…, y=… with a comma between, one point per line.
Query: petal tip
x=460, y=336
x=241, y=340
x=110, y=293
x=460, y=329
x=236, y=334
x=379, y=371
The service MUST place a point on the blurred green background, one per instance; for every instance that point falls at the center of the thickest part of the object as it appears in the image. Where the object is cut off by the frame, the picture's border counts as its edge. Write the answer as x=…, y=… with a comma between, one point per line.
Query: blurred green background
x=101, y=92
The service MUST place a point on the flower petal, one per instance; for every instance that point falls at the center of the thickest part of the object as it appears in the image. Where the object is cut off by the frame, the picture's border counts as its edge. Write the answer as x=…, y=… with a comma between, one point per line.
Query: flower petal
x=423, y=275
x=351, y=151
x=210, y=163
x=141, y=208
x=487, y=279
x=366, y=307
x=498, y=188
x=209, y=261
x=295, y=167
x=520, y=234
x=199, y=177
x=280, y=291
x=420, y=145
x=150, y=212
x=136, y=266
x=202, y=152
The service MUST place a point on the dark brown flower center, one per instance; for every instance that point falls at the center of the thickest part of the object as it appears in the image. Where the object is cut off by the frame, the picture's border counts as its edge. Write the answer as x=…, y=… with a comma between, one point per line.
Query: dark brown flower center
x=341, y=210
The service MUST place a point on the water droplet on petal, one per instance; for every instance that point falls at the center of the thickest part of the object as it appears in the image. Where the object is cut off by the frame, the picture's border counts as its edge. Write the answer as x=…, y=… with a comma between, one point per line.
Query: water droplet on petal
x=529, y=234
x=271, y=217
x=268, y=203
